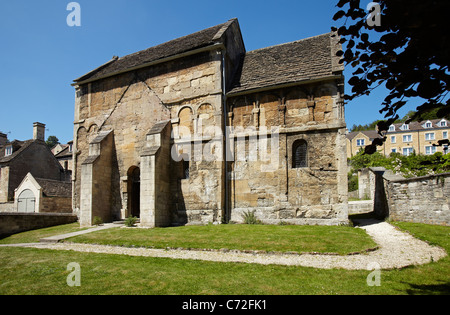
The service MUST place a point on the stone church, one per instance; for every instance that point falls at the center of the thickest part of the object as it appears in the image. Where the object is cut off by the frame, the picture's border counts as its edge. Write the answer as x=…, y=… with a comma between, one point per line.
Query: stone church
x=197, y=130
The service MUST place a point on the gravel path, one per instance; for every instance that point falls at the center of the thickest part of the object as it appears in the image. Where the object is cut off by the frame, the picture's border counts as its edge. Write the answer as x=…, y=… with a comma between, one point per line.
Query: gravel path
x=396, y=250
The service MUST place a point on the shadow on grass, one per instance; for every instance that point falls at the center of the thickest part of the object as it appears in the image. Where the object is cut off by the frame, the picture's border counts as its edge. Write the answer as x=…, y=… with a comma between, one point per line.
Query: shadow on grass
x=363, y=219
x=429, y=289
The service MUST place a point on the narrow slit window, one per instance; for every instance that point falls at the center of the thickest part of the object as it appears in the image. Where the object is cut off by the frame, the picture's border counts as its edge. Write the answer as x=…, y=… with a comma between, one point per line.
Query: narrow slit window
x=186, y=170
x=300, y=154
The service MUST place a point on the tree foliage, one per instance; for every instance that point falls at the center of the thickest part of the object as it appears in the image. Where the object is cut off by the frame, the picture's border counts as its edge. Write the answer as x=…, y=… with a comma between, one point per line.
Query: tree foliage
x=407, y=166
x=410, y=116
x=408, y=53
x=52, y=141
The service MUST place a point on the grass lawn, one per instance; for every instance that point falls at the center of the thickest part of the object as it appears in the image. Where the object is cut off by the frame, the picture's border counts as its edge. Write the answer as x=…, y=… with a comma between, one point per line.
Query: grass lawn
x=322, y=239
x=35, y=235
x=33, y=271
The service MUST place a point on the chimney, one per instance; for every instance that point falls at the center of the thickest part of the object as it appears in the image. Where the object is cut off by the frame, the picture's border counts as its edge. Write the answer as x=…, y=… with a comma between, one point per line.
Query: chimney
x=3, y=139
x=38, y=131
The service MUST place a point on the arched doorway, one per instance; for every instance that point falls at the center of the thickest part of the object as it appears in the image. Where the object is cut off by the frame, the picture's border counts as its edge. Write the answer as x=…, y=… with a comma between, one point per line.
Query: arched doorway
x=26, y=202
x=134, y=190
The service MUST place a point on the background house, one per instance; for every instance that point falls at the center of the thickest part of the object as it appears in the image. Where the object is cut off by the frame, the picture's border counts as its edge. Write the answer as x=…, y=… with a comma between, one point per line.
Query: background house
x=18, y=158
x=64, y=155
x=419, y=137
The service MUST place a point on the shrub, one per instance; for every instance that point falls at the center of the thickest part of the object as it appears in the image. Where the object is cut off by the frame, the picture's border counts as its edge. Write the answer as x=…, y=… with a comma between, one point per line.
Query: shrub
x=250, y=218
x=130, y=221
x=352, y=181
x=98, y=221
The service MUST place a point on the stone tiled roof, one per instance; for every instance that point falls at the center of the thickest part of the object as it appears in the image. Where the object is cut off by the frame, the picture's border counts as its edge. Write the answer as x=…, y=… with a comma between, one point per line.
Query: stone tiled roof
x=174, y=47
x=416, y=125
x=371, y=134
x=18, y=147
x=64, y=153
x=413, y=126
x=55, y=188
x=303, y=60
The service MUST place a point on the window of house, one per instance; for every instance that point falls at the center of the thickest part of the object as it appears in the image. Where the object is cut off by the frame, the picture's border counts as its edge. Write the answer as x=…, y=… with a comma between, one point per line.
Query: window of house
x=404, y=127
x=430, y=150
x=407, y=138
x=443, y=123
x=391, y=128
x=360, y=142
x=9, y=150
x=429, y=136
x=300, y=154
x=407, y=151
x=70, y=147
x=393, y=150
x=445, y=135
x=428, y=124
x=393, y=139
x=446, y=149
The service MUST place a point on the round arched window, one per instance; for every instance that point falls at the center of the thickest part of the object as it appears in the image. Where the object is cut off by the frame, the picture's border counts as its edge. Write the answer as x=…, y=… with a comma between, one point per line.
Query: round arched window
x=300, y=154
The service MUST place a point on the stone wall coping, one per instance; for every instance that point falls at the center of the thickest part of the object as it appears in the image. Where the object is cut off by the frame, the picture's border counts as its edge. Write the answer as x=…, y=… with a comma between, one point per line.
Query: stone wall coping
x=158, y=127
x=101, y=136
x=421, y=178
x=34, y=214
x=150, y=151
x=90, y=159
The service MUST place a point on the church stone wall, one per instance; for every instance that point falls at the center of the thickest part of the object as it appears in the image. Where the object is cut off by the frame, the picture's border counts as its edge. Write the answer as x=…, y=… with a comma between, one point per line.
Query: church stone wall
x=188, y=92
x=264, y=179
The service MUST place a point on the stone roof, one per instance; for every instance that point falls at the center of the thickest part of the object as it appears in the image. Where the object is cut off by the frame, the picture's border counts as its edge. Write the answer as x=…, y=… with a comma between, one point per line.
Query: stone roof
x=413, y=126
x=174, y=47
x=55, y=188
x=64, y=153
x=371, y=134
x=18, y=147
x=416, y=125
x=303, y=60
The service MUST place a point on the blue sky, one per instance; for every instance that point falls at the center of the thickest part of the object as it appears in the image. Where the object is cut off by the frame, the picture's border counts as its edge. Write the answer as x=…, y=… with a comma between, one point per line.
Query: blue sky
x=40, y=55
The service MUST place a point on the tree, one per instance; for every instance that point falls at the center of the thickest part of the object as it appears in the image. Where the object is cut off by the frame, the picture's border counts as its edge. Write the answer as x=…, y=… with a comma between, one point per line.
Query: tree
x=406, y=48
x=52, y=141
x=408, y=166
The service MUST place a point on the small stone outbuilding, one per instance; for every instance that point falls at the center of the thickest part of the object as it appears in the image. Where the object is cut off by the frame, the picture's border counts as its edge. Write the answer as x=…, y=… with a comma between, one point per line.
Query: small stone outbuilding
x=38, y=195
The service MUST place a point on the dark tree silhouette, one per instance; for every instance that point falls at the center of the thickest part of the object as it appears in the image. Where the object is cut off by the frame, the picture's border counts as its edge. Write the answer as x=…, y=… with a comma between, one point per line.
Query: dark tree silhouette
x=401, y=44
x=52, y=141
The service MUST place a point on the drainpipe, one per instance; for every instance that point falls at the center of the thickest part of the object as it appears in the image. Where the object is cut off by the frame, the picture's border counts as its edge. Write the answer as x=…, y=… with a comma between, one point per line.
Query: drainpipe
x=418, y=140
x=226, y=213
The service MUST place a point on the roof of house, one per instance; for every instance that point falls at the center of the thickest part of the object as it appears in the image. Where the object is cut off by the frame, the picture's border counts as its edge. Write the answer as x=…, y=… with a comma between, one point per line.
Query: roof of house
x=413, y=126
x=18, y=147
x=419, y=125
x=371, y=134
x=307, y=59
x=64, y=153
x=55, y=188
x=174, y=47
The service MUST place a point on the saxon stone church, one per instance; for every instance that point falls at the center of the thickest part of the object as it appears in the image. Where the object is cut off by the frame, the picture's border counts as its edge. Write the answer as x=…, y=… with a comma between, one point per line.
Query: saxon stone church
x=197, y=130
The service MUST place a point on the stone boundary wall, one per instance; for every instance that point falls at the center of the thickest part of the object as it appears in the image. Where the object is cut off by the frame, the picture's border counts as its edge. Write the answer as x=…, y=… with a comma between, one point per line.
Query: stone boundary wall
x=420, y=199
x=11, y=223
x=56, y=205
x=423, y=199
x=358, y=207
x=7, y=207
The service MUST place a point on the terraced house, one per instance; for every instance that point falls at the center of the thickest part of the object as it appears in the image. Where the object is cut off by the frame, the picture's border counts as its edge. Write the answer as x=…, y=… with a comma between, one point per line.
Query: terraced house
x=419, y=137
x=198, y=130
